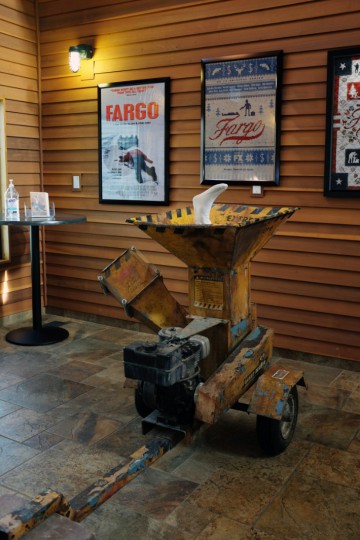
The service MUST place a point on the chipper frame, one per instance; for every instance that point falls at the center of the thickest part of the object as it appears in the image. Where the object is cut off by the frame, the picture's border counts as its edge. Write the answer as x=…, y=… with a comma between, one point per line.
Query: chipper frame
x=207, y=357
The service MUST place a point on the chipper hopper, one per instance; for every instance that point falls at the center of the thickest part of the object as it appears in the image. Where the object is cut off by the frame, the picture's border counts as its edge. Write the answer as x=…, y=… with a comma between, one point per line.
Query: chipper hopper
x=207, y=356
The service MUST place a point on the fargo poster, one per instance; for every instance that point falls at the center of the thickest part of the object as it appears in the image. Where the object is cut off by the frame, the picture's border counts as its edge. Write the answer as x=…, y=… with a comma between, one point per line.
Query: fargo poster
x=240, y=119
x=133, y=142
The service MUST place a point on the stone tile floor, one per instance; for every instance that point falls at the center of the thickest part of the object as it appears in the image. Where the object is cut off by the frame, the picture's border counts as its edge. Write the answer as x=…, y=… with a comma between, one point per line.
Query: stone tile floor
x=66, y=419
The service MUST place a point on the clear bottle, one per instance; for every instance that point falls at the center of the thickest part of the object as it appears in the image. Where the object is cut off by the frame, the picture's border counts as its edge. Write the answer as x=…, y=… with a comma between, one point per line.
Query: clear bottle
x=11, y=202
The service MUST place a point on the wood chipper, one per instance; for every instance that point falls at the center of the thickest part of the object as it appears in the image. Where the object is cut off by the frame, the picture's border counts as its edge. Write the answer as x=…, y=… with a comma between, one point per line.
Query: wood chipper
x=208, y=356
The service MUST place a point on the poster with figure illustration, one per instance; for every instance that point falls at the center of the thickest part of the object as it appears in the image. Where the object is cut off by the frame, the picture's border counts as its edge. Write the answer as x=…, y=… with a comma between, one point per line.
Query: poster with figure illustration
x=133, y=142
x=240, y=120
x=342, y=155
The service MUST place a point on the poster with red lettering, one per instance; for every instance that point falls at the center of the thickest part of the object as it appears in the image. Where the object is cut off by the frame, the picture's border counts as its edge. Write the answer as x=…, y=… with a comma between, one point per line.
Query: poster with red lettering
x=133, y=142
x=342, y=154
x=240, y=121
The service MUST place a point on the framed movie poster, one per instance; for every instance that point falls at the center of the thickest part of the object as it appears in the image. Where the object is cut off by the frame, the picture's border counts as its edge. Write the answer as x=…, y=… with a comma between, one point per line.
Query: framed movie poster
x=133, y=142
x=240, y=119
x=342, y=147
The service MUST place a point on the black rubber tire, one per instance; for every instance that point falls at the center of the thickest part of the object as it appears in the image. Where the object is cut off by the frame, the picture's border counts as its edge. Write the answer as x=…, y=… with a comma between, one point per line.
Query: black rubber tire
x=274, y=436
x=142, y=408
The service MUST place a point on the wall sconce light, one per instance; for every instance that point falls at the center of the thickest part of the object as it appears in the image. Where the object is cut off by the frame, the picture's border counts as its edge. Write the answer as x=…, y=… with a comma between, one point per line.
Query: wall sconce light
x=78, y=53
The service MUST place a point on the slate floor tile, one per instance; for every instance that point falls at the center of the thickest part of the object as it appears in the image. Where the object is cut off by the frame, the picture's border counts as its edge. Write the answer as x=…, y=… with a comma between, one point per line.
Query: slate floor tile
x=43, y=392
x=325, y=396
x=75, y=370
x=112, y=401
x=309, y=508
x=5, y=491
x=173, y=459
x=88, y=349
x=85, y=427
x=12, y=455
x=352, y=404
x=347, y=380
x=57, y=527
x=190, y=518
x=107, y=361
x=327, y=426
x=126, y=440
x=114, y=373
x=155, y=493
x=112, y=521
x=231, y=495
x=8, y=379
x=28, y=363
x=43, y=441
x=23, y=424
x=68, y=468
x=355, y=444
x=332, y=465
x=221, y=528
x=6, y=408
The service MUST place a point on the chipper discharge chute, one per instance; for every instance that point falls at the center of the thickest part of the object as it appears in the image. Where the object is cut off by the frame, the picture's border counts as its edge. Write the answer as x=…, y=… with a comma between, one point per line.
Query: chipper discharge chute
x=205, y=359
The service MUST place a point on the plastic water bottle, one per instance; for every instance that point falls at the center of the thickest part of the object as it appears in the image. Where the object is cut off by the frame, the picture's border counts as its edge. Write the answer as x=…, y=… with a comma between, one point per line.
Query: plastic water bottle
x=11, y=202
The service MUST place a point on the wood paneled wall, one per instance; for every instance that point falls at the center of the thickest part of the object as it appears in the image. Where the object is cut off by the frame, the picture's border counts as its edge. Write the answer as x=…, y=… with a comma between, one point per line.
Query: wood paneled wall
x=19, y=86
x=306, y=282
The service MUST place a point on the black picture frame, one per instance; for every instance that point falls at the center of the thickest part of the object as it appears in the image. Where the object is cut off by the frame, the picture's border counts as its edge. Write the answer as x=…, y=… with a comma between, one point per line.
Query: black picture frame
x=342, y=142
x=133, y=127
x=241, y=119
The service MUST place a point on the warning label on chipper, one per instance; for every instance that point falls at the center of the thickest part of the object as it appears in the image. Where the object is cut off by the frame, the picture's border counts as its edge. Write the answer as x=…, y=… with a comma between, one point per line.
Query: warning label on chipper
x=208, y=294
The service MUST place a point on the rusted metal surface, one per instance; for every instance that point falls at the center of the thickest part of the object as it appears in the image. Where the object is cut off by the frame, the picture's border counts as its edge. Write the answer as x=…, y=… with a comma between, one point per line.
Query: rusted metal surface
x=18, y=523
x=199, y=325
x=272, y=389
x=139, y=288
x=218, y=256
x=86, y=502
x=219, y=293
x=234, y=376
x=233, y=238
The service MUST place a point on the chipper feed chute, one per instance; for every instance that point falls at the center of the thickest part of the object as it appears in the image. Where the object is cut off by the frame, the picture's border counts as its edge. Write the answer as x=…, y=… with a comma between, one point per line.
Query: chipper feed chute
x=234, y=237
x=201, y=367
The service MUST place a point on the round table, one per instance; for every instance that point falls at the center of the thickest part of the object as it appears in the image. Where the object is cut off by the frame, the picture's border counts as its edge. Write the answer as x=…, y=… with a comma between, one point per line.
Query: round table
x=38, y=334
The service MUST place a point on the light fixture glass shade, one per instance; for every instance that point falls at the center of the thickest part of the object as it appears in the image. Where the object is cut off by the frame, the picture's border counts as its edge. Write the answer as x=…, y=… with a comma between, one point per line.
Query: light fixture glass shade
x=74, y=60
x=76, y=54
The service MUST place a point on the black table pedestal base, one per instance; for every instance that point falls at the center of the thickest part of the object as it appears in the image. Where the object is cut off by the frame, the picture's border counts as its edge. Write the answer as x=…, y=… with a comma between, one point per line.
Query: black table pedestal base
x=46, y=335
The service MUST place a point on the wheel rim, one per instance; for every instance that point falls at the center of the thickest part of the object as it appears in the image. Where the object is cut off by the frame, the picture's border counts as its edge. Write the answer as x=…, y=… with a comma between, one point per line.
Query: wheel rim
x=288, y=418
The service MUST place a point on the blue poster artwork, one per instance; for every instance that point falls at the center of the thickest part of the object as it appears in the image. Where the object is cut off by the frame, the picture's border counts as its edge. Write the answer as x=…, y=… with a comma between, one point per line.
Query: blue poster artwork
x=239, y=135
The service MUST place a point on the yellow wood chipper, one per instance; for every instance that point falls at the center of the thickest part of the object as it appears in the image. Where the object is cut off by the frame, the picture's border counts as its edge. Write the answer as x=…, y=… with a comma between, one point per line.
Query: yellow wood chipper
x=208, y=356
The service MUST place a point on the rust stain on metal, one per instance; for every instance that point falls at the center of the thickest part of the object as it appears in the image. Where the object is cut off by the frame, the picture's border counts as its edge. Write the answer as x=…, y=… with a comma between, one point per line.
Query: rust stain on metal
x=139, y=288
x=236, y=234
x=33, y=513
x=96, y=494
x=224, y=388
x=272, y=389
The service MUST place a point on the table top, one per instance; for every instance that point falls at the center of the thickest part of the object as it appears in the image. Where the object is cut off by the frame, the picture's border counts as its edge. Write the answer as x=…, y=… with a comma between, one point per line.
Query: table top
x=58, y=219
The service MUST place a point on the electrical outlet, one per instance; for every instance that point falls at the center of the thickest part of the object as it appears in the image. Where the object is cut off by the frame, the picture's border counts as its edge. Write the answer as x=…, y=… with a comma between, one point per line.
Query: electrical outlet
x=256, y=191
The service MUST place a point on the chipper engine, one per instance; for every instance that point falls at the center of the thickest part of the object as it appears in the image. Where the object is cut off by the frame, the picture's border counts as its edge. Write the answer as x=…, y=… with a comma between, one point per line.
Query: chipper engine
x=212, y=356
